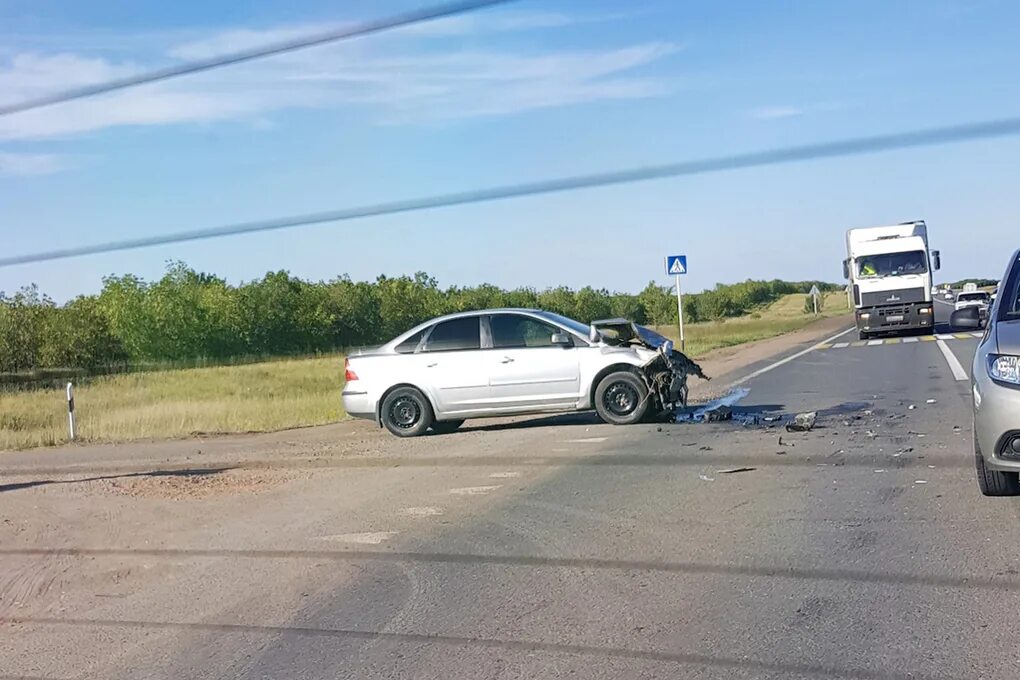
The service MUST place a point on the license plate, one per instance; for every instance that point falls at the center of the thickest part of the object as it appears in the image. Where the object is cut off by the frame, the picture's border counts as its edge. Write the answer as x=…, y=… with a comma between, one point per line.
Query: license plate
x=898, y=317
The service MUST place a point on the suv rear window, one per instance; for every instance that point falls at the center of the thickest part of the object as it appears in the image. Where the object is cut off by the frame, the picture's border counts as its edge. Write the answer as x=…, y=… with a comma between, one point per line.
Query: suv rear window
x=455, y=334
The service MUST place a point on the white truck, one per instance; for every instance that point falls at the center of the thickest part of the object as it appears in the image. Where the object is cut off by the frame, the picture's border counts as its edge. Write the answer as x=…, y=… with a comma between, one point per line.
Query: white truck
x=889, y=271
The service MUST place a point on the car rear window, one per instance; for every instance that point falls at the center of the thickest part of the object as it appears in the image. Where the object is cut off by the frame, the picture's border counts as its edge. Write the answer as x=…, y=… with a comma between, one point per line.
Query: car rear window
x=455, y=334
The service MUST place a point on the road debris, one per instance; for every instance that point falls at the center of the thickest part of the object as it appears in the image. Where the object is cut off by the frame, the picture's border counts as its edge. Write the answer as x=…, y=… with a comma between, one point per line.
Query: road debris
x=704, y=448
x=868, y=412
x=773, y=419
x=879, y=470
x=930, y=401
x=782, y=443
x=920, y=481
x=780, y=453
x=906, y=449
x=871, y=434
x=718, y=414
x=706, y=478
x=911, y=407
x=732, y=471
x=802, y=422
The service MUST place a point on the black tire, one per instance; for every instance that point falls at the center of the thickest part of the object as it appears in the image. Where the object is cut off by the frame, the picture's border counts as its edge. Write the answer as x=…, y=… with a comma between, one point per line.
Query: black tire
x=621, y=398
x=994, y=482
x=446, y=426
x=406, y=412
x=861, y=335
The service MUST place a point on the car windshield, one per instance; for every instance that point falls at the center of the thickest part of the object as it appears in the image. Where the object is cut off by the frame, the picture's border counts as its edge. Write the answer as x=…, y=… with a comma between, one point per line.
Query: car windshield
x=581, y=329
x=892, y=264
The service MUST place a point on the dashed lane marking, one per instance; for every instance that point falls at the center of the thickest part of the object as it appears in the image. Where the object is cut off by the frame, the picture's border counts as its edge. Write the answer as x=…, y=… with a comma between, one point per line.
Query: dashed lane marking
x=587, y=440
x=424, y=511
x=952, y=337
x=364, y=538
x=504, y=475
x=474, y=490
x=792, y=357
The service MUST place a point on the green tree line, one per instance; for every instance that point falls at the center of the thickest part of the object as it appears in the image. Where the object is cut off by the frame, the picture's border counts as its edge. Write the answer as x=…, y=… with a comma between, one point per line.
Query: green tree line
x=188, y=315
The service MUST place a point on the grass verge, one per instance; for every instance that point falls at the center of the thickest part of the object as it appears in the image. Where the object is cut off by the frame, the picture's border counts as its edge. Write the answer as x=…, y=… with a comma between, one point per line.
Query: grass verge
x=275, y=395
x=164, y=404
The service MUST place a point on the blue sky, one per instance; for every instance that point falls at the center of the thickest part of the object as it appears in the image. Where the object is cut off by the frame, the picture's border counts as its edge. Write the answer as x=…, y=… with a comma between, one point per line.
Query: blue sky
x=529, y=91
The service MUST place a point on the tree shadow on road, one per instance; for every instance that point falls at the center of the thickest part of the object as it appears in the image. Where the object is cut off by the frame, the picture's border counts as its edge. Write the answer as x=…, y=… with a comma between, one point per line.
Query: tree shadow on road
x=560, y=419
x=192, y=472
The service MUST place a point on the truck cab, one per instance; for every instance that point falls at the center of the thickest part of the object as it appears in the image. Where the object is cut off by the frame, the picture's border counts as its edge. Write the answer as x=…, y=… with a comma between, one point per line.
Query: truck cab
x=890, y=274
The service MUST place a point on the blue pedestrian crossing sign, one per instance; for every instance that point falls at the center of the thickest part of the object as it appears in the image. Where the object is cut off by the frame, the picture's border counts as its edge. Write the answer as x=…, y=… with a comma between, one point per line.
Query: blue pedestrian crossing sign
x=676, y=264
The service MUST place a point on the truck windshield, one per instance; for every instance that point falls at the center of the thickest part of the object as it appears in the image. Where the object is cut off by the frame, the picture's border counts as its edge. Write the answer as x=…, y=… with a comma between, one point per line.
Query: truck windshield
x=892, y=264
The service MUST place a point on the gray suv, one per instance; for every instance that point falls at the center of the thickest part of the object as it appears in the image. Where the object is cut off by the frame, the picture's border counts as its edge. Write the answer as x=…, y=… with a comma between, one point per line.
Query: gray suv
x=995, y=382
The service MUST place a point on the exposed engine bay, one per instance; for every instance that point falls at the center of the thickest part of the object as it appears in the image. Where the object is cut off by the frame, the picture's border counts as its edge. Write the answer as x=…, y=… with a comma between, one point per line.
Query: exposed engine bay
x=666, y=373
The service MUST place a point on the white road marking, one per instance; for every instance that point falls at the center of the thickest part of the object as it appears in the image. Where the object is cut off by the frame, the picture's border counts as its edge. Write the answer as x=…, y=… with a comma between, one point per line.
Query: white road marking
x=872, y=343
x=504, y=475
x=840, y=345
x=560, y=450
x=954, y=363
x=790, y=358
x=474, y=490
x=424, y=511
x=945, y=336
x=587, y=440
x=365, y=538
x=911, y=340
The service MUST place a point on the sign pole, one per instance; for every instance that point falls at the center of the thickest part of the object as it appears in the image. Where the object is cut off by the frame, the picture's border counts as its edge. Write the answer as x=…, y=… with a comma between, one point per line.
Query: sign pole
x=680, y=312
x=70, y=409
x=814, y=299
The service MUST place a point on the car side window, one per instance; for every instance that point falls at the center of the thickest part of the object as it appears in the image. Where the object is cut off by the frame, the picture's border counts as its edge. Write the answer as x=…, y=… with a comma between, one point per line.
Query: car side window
x=516, y=330
x=455, y=334
x=411, y=344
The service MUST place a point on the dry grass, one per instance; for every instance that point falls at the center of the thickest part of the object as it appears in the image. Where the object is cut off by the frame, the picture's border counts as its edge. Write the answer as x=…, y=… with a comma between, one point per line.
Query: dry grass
x=277, y=394
x=161, y=404
x=783, y=316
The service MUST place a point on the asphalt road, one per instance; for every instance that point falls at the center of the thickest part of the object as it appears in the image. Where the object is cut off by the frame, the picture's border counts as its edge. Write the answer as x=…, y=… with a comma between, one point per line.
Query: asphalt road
x=861, y=549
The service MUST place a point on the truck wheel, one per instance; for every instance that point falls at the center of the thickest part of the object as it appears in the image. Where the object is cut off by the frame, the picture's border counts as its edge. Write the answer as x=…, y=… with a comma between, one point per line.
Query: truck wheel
x=406, y=412
x=994, y=482
x=621, y=398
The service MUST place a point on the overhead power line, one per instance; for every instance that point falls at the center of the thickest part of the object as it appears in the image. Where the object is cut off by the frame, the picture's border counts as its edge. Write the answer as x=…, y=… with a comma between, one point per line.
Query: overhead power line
x=846, y=147
x=311, y=40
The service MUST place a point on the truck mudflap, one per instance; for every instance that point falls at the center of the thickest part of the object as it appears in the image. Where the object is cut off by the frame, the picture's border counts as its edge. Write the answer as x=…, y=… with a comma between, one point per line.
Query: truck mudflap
x=899, y=317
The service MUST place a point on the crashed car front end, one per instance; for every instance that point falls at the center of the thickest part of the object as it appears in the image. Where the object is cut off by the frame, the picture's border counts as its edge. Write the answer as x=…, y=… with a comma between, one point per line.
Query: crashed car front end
x=666, y=369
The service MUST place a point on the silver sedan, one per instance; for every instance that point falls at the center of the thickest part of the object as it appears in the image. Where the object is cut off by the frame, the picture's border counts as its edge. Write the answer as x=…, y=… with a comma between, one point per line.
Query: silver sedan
x=995, y=382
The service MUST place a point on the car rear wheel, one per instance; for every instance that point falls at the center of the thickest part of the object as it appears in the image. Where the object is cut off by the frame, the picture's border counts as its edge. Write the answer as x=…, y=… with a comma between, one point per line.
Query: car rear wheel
x=621, y=398
x=994, y=482
x=446, y=426
x=406, y=412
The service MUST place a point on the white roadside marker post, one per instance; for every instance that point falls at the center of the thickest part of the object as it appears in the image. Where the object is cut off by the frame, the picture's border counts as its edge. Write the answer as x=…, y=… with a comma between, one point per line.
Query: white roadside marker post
x=680, y=312
x=70, y=409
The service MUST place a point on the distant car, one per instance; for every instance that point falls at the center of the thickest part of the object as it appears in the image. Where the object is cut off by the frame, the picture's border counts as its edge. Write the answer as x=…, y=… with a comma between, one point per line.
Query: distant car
x=995, y=383
x=980, y=300
x=502, y=362
x=949, y=295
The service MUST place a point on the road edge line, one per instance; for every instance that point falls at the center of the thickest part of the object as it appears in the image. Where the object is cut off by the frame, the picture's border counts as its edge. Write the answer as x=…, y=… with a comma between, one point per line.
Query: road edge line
x=777, y=364
x=954, y=364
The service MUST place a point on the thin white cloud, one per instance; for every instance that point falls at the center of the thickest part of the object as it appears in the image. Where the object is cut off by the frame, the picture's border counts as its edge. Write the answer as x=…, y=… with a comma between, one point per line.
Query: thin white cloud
x=30, y=164
x=405, y=84
x=776, y=112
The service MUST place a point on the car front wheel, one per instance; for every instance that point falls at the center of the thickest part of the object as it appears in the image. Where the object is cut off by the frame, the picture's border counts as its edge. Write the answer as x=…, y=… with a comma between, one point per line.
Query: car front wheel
x=994, y=482
x=621, y=398
x=406, y=412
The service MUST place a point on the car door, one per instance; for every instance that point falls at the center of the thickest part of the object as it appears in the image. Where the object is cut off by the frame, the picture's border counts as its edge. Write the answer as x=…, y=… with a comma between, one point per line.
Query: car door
x=452, y=366
x=526, y=371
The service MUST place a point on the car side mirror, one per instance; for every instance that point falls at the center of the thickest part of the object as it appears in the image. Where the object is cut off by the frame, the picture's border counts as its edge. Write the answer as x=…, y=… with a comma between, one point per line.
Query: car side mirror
x=593, y=335
x=846, y=269
x=968, y=317
x=936, y=259
x=562, y=340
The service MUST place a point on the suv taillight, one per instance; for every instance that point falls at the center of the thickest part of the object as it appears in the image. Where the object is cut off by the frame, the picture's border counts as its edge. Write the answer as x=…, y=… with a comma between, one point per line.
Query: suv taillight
x=349, y=375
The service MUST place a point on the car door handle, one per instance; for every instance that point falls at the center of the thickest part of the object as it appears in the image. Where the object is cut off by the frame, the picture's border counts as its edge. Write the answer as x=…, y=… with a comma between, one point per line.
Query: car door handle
x=506, y=360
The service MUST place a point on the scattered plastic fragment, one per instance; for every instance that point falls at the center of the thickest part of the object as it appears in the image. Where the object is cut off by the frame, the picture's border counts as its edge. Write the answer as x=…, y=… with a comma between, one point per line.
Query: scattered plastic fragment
x=706, y=478
x=911, y=407
x=772, y=419
x=920, y=481
x=730, y=471
x=802, y=422
x=930, y=401
x=718, y=414
x=879, y=470
x=906, y=449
